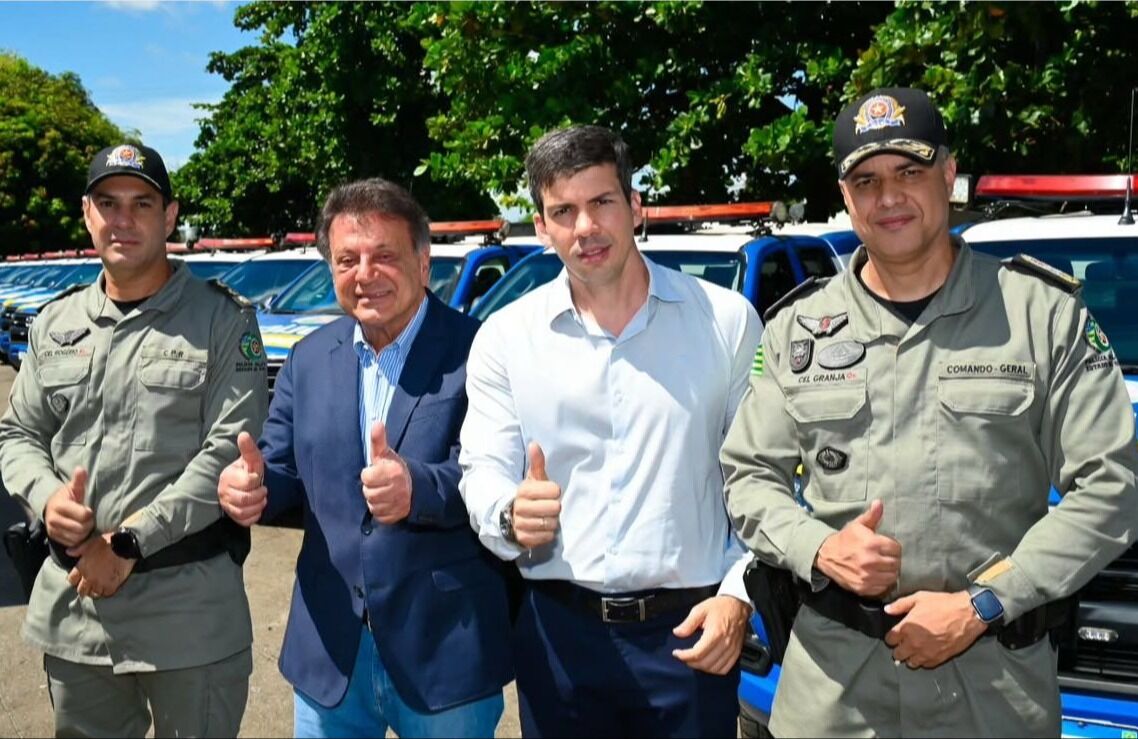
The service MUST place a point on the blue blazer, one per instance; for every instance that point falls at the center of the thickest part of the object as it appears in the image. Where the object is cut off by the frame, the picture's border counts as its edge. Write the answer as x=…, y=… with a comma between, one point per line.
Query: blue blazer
x=436, y=598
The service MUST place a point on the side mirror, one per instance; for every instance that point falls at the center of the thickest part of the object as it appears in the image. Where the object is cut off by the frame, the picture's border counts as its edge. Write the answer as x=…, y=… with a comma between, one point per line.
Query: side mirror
x=962, y=190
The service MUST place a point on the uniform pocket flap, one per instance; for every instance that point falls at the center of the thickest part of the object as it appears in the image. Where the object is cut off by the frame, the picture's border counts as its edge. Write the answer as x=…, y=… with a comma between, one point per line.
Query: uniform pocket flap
x=177, y=374
x=60, y=374
x=807, y=404
x=1005, y=389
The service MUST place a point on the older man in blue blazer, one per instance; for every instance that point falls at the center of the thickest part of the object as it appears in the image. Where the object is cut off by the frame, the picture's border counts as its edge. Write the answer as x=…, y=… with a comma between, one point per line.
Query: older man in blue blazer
x=399, y=616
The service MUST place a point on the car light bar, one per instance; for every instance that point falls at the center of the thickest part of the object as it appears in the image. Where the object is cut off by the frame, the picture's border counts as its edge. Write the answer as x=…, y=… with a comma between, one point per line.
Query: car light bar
x=714, y=212
x=1055, y=187
x=263, y=242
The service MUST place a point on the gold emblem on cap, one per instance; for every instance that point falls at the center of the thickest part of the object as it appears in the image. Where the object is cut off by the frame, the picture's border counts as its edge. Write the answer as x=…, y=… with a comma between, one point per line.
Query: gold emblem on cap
x=880, y=111
x=126, y=156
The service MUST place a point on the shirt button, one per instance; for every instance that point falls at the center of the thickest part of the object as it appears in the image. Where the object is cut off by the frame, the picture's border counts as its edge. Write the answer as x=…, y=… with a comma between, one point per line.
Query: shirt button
x=366, y=528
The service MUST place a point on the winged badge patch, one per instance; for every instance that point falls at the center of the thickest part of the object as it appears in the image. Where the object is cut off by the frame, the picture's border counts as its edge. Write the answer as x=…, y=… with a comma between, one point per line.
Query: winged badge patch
x=824, y=326
x=67, y=338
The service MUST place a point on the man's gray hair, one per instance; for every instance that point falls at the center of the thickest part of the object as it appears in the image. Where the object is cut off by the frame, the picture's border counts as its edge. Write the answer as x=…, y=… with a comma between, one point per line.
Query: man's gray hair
x=374, y=195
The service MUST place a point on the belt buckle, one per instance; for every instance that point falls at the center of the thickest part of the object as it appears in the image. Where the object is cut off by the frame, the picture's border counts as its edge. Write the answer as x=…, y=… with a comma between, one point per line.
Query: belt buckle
x=622, y=610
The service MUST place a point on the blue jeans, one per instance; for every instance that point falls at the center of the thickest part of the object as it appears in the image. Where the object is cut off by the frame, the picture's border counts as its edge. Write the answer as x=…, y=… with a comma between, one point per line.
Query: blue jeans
x=372, y=704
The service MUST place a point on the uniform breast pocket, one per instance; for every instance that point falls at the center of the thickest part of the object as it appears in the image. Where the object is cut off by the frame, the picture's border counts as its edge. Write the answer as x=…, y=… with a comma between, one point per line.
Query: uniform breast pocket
x=983, y=433
x=171, y=398
x=833, y=426
x=65, y=386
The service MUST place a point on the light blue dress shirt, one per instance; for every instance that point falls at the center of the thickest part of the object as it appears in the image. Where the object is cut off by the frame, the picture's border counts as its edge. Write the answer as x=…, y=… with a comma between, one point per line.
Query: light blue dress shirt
x=631, y=427
x=379, y=373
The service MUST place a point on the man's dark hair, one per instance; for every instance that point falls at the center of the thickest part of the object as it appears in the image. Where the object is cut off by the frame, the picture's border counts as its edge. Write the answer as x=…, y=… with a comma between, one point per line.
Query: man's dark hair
x=567, y=151
x=374, y=195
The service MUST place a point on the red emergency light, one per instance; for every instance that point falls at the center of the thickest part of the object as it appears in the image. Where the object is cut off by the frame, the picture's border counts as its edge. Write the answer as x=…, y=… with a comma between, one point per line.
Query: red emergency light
x=262, y=242
x=464, y=228
x=713, y=212
x=1055, y=186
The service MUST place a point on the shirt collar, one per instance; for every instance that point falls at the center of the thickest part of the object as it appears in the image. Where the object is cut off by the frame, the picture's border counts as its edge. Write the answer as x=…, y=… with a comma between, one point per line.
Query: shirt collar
x=402, y=342
x=869, y=319
x=661, y=286
x=167, y=297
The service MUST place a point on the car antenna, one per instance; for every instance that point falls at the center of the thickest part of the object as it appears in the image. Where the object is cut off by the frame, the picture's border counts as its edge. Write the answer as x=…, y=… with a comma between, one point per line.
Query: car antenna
x=1127, y=218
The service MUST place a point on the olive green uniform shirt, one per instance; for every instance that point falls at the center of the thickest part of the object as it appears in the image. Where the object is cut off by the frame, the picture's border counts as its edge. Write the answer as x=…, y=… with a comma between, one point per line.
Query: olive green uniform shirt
x=151, y=403
x=959, y=423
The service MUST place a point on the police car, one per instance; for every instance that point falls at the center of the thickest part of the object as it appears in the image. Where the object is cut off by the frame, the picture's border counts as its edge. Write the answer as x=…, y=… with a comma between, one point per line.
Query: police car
x=43, y=283
x=1098, y=651
x=467, y=259
x=260, y=277
x=728, y=244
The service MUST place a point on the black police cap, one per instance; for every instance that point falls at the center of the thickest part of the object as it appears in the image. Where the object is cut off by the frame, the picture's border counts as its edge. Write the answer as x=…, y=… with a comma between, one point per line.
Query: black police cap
x=134, y=161
x=890, y=120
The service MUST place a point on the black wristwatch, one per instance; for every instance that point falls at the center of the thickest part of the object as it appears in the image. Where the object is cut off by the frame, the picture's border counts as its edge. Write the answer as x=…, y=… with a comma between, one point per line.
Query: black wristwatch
x=124, y=543
x=987, y=605
x=506, y=524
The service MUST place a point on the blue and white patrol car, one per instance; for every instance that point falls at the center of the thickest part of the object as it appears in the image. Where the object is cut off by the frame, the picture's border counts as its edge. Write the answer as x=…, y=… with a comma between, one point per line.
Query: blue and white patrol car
x=714, y=245
x=467, y=259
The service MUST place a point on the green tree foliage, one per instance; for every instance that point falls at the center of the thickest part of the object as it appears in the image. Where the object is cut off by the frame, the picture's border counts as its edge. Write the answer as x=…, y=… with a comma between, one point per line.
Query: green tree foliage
x=49, y=130
x=334, y=91
x=1024, y=87
x=714, y=96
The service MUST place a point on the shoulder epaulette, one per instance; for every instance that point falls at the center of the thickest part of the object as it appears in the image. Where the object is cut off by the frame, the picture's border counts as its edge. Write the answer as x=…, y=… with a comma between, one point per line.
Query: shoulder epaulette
x=65, y=293
x=235, y=296
x=807, y=286
x=1043, y=270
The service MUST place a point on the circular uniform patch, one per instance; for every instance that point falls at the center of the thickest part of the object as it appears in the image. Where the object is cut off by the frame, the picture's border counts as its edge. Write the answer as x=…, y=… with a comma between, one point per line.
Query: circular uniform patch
x=251, y=347
x=1095, y=336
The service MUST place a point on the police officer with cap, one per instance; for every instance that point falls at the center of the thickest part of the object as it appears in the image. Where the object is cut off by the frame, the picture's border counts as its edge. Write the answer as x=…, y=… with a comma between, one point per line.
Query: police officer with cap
x=126, y=410
x=932, y=394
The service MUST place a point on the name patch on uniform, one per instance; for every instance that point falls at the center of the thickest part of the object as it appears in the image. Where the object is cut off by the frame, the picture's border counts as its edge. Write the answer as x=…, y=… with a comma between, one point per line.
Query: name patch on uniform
x=800, y=354
x=832, y=378
x=70, y=351
x=841, y=355
x=831, y=459
x=824, y=326
x=989, y=369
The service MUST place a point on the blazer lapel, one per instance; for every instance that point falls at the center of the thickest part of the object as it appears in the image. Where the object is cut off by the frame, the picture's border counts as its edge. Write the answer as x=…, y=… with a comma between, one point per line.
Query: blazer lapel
x=343, y=398
x=418, y=371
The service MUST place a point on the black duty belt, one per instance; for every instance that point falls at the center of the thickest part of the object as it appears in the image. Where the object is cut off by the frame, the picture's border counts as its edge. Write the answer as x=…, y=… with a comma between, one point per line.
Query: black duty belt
x=623, y=609
x=223, y=536
x=868, y=616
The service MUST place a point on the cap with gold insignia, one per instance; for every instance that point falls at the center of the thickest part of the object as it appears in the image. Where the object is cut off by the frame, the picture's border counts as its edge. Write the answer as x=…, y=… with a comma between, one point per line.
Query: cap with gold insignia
x=134, y=161
x=889, y=120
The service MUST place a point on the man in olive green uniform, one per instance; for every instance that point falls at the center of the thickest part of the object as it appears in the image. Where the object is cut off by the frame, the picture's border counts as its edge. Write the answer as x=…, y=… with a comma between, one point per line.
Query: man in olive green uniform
x=931, y=394
x=124, y=413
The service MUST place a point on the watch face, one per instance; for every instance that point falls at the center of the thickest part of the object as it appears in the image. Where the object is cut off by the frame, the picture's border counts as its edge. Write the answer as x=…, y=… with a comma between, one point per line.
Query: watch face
x=988, y=606
x=125, y=545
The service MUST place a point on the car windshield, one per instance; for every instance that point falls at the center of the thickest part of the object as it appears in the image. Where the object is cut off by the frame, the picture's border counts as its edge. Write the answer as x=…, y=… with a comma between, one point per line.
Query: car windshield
x=723, y=268
x=208, y=270
x=1108, y=269
x=312, y=292
x=260, y=279
x=81, y=274
x=443, y=278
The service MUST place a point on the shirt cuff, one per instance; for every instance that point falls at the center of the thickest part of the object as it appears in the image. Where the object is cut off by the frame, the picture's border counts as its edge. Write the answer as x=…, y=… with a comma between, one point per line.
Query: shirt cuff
x=804, y=546
x=733, y=584
x=490, y=534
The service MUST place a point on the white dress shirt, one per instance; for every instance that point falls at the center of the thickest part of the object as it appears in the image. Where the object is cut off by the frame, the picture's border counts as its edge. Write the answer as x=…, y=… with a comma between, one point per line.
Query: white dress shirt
x=631, y=427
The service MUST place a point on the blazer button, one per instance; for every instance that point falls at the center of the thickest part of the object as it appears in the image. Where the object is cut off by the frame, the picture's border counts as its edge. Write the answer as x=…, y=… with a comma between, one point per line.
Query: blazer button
x=366, y=527
x=359, y=591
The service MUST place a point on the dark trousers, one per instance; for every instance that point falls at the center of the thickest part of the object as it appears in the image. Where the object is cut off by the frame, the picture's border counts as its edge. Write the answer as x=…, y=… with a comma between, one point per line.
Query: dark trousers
x=578, y=676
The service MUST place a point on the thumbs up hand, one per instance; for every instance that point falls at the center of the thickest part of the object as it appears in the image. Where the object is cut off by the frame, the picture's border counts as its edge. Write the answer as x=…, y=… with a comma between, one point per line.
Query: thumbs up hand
x=68, y=519
x=241, y=489
x=537, y=504
x=860, y=559
x=386, y=480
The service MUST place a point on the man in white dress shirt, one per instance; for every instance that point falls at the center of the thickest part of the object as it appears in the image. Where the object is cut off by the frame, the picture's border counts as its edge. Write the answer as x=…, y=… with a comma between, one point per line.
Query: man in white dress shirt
x=597, y=407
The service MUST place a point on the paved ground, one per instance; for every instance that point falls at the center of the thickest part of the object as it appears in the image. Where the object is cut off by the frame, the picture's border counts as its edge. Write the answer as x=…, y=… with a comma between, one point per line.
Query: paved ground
x=24, y=705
